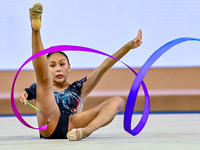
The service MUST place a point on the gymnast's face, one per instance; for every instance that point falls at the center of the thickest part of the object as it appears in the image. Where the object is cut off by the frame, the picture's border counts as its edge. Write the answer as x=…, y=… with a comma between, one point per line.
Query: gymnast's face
x=59, y=68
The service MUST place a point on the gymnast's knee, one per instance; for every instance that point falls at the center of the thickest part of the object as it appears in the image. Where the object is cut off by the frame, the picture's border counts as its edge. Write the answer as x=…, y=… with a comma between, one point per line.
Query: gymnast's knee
x=119, y=102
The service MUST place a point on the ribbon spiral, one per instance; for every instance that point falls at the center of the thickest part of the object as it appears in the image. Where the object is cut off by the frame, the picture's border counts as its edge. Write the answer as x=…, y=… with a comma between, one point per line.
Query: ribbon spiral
x=133, y=91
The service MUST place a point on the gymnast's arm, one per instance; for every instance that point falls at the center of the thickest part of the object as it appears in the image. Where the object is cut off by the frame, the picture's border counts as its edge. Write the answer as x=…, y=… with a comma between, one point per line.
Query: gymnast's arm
x=96, y=75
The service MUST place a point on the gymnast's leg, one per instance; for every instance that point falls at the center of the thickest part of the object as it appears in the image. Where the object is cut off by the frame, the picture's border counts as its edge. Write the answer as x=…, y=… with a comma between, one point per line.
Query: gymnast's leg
x=91, y=120
x=45, y=97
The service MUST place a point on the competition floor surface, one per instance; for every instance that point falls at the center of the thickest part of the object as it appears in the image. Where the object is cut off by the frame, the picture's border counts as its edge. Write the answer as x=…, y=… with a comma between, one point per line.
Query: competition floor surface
x=170, y=131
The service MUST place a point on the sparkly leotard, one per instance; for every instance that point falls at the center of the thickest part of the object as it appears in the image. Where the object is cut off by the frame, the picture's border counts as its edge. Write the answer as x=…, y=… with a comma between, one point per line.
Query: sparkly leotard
x=69, y=102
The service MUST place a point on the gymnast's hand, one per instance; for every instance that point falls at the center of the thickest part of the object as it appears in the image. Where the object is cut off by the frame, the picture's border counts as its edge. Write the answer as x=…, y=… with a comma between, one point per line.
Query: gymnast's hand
x=137, y=41
x=22, y=97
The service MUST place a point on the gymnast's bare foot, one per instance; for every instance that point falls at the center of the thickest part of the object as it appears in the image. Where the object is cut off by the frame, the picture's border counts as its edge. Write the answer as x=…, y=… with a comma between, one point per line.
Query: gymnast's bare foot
x=35, y=16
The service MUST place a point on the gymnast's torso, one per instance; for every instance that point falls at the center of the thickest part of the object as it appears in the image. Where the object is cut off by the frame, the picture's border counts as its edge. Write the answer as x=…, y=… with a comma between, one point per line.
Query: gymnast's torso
x=69, y=101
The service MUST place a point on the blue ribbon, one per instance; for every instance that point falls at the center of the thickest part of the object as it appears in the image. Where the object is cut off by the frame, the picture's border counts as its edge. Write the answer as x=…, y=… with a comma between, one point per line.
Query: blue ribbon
x=136, y=85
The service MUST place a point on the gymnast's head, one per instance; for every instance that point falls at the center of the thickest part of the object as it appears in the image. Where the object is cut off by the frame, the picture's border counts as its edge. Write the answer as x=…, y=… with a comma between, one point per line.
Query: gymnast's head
x=59, y=66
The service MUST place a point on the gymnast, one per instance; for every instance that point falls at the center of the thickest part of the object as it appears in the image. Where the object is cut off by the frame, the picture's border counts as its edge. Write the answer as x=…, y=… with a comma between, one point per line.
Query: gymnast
x=62, y=101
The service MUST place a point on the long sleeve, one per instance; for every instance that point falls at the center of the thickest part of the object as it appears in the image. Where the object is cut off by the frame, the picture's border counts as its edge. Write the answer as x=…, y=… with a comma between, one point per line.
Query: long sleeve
x=31, y=91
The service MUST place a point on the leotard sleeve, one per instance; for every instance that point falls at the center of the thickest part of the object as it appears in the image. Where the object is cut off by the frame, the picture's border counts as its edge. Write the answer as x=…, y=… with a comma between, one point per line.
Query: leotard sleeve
x=31, y=91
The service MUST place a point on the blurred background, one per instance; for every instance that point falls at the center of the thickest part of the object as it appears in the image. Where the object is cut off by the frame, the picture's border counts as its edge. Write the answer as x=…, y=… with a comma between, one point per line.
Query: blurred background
x=106, y=25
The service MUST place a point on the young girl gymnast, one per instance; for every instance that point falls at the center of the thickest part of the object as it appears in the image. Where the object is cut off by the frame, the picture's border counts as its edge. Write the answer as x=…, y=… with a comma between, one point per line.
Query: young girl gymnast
x=60, y=100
